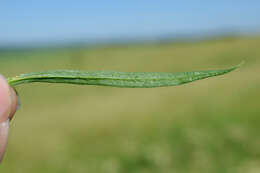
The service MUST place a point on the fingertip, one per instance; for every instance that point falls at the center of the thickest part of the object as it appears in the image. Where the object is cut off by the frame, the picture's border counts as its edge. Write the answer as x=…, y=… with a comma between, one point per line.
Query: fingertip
x=5, y=99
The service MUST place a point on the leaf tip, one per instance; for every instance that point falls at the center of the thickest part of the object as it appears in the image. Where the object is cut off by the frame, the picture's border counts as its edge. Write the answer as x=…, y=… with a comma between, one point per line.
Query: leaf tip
x=240, y=64
x=237, y=66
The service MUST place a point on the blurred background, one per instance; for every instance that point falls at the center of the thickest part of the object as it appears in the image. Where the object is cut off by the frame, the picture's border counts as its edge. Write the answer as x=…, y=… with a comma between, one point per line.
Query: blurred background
x=206, y=126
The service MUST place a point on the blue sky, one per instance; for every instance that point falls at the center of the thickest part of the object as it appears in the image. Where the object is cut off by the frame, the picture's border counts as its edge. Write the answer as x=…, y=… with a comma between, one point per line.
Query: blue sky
x=25, y=22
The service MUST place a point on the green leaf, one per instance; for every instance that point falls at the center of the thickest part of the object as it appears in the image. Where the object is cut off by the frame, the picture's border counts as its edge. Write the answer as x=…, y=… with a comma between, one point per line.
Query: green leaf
x=117, y=79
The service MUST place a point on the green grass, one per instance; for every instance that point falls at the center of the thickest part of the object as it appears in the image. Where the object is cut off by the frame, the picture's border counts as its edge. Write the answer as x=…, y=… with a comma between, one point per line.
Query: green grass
x=207, y=126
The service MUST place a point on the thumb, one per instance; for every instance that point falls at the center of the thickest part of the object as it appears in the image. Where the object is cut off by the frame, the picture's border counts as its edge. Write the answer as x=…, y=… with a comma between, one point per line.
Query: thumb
x=6, y=95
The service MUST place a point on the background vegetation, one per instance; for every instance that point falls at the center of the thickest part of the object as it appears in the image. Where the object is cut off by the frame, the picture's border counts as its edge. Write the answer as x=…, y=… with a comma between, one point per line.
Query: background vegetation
x=207, y=126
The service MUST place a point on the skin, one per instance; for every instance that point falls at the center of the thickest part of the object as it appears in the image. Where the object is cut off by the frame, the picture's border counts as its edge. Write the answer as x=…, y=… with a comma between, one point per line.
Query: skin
x=8, y=107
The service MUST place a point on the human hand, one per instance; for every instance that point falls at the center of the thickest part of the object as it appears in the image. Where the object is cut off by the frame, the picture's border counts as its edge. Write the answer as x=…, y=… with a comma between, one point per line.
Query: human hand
x=8, y=107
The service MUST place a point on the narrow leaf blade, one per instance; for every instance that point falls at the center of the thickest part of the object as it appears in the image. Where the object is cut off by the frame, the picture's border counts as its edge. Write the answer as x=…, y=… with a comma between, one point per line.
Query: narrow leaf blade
x=117, y=79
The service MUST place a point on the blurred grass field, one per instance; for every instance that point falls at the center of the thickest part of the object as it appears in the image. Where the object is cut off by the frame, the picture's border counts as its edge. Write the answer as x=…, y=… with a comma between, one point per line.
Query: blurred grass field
x=211, y=125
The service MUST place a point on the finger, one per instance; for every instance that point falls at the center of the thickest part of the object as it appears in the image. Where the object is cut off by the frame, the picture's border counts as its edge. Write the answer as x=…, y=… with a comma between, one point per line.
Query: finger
x=4, y=126
x=5, y=99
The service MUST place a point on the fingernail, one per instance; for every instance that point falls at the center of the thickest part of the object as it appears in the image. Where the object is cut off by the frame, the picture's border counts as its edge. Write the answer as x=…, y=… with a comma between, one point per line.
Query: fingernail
x=18, y=105
x=5, y=99
x=4, y=127
x=14, y=104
